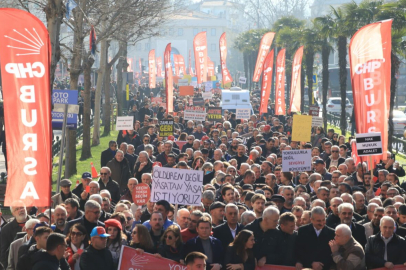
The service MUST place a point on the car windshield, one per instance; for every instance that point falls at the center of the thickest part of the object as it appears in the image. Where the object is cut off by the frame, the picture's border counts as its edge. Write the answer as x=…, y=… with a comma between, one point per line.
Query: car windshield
x=338, y=101
x=398, y=114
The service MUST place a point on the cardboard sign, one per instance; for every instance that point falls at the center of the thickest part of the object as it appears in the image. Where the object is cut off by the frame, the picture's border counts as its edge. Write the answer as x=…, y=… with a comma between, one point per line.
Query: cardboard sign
x=214, y=114
x=183, y=82
x=297, y=160
x=186, y=90
x=208, y=86
x=317, y=121
x=194, y=113
x=243, y=113
x=314, y=110
x=207, y=95
x=177, y=186
x=165, y=128
x=301, y=128
x=199, y=102
x=124, y=122
x=242, y=80
x=141, y=194
x=369, y=144
x=131, y=259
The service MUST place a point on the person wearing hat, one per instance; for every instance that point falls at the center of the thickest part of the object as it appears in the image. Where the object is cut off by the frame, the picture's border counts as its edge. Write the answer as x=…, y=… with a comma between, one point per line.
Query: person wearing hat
x=108, y=154
x=320, y=167
x=217, y=213
x=65, y=193
x=86, y=179
x=97, y=256
x=116, y=240
x=279, y=200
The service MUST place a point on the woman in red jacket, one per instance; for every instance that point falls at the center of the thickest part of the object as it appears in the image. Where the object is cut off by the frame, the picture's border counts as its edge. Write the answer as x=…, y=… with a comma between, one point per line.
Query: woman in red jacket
x=77, y=241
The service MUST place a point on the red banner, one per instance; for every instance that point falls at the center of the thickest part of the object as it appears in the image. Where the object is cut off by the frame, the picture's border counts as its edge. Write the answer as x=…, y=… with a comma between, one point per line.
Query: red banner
x=25, y=68
x=176, y=63
x=280, y=107
x=354, y=153
x=264, y=46
x=266, y=82
x=159, y=66
x=223, y=57
x=168, y=79
x=181, y=62
x=295, y=89
x=200, y=48
x=370, y=64
x=151, y=69
x=210, y=67
x=130, y=259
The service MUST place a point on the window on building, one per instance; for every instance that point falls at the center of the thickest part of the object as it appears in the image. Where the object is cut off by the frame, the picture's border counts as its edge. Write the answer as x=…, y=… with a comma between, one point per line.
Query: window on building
x=213, y=47
x=195, y=31
x=180, y=31
x=204, y=29
x=213, y=31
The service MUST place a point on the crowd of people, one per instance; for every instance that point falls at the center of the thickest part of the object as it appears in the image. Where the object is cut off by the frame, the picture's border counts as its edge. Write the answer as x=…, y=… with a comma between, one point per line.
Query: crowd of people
x=253, y=211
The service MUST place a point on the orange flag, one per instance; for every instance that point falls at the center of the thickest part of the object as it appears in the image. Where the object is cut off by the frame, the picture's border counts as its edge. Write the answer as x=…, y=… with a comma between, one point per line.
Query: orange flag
x=151, y=69
x=370, y=65
x=176, y=63
x=295, y=89
x=266, y=82
x=280, y=107
x=264, y=46
x=200, y=48
x=223, y=57
x=181, y=63
x=25, y=69
x=159, y=66
x=210, y=67
x=168, y=79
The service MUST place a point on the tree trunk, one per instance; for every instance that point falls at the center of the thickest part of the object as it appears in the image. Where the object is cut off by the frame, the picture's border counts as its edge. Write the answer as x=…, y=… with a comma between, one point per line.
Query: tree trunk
x=394, y=69
x=100, y=81
x=107, y=103
x=55, y=11
x=309, y=54
x=87, y=70
x=325, y=52
x=121, y=69
x=302, y=87
x=342, y=63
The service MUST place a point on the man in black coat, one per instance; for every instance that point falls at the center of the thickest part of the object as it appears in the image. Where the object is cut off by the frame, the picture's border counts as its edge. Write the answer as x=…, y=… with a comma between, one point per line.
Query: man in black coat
x=227, y=231
x=287, y=222
x=109, y=153
x=105, y=182
x=312, y=249
x=345, y=212
x=53, y=258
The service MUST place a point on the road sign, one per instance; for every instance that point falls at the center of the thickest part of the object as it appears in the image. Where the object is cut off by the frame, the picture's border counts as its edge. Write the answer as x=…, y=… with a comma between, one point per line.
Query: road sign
x=314, y=78
x=369, y=144
x=60, y=98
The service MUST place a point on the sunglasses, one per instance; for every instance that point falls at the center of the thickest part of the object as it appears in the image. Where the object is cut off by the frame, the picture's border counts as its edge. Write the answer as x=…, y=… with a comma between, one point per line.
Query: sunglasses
x=78, y=234
x=146, y=140
x=334, y=151
x=134, y=232
x=102, y=173
x=129, y=218
x=168, y=237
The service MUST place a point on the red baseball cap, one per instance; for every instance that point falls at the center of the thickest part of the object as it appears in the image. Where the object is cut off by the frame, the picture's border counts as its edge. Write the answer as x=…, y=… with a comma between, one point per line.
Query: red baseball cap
x=171, y=138
x=157, y=163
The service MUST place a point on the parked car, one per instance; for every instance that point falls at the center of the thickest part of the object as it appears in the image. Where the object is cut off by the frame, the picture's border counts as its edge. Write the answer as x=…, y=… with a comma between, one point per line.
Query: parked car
x=334, y=106
x=399, y=122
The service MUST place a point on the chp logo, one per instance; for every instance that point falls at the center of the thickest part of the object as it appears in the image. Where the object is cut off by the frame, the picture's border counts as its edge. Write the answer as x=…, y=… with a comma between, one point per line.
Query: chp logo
x=29, y=45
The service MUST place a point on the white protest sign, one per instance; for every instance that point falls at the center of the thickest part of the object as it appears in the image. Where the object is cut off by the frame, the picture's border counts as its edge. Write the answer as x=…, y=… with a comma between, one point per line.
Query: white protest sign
x=193, y=83
x=207, y=95
x=177, y=186
x=183, y=82
x=208, y=86
x=243, y=113
x=195, y=113
x=317, y=121
x=124, y=122
x=369, y=144
x=242, y=80
x=296, y=160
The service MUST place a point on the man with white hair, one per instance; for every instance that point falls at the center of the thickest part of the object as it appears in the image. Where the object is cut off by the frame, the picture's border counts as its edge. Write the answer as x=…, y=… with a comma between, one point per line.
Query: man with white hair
x=28, y=233
x=182, y=218
x=227, y=231
x=346, y=212
x=385, y=249
x=143, y=165
x=268, y=239
x=346, y=251
x=312, y=243
x=105, y=182
x=247, y=217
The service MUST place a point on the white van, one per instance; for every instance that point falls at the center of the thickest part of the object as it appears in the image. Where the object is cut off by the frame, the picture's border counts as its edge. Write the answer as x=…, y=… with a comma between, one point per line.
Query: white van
x=234, y=98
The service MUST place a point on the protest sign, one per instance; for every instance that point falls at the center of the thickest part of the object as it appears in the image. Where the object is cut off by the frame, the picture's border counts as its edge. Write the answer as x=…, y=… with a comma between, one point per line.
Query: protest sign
x=314, y=110
x=214, y=114
x=183, y=82
x=193, y=83
x=301, y=128
x=130, y=259
x=198, y=102
x=165, y=128
x=124, y=122
x=317, y=121
x=243, y=113
x=186, y=90
x=369, y=144
x=176, y=186
x=180, y=144
x=242, y=80
x=207, y=95
x=296, y=160
x=141, y=194
x=194, y=113
x=208, y=86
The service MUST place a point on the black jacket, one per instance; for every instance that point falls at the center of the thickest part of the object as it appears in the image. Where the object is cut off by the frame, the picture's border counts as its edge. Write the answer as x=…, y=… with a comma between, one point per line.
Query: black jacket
x=309, y=248
x=231, y=257
x=328, y=161
x=113, y=187
x=44, y=261
x=332, y=220
x=195, y=244
x=80, y=220
x=288, y=246
x=169, y=253
x=93, y=259
x=146, y=169
x=267, y=244
x=375, y=250
x=240, y=160
x=223, y=233
x=106, y=156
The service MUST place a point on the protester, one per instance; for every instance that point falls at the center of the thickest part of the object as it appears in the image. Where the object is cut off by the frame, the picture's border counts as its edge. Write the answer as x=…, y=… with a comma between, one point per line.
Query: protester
x=172, y=245
x=53, y=258
x=141, y=239
x=77, y=241
x=239, y=254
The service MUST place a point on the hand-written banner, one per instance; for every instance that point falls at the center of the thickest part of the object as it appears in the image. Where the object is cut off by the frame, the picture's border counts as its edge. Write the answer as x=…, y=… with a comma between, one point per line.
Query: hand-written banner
x=214, y=114
x=177, y=186
x=165, y=128
x=296, y=160
x=141, y=194
x=301, y=128
x=124, y=122
x=243, y=113
x=194, y=113
x=130, y=259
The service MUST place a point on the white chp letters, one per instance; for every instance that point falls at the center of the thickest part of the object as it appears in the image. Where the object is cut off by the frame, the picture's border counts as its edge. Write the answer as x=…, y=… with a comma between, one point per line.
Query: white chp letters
x=29, y=140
